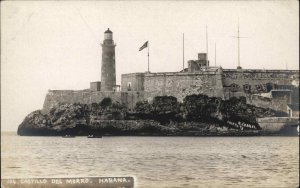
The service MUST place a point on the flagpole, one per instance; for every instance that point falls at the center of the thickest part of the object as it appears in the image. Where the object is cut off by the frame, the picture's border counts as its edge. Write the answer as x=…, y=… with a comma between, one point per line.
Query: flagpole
x=148, y=57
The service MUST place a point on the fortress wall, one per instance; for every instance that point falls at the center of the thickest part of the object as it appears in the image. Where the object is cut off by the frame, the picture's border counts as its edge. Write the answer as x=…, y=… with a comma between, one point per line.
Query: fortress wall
x=258, y=81
x=211, y=82
x=78, y=96
x=276, y=103
x=132, y=82
x=259, y=101
x=248, y=82
x=180, y=85
x=53, y=97
x=130, y=98
x=280, y=100
x=275, y=124
x=275, y=99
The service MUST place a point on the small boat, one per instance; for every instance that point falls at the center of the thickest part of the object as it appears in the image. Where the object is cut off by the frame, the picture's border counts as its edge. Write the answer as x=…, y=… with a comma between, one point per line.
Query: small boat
x=68, y=136
x=298, y=129
x=94, y=136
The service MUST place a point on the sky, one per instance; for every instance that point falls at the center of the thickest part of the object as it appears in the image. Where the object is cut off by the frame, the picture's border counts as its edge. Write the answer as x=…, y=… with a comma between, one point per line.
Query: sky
x=57, y=44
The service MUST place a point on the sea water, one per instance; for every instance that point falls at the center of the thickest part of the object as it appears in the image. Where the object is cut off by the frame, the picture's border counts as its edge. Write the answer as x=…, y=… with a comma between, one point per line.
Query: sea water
x=157, y=161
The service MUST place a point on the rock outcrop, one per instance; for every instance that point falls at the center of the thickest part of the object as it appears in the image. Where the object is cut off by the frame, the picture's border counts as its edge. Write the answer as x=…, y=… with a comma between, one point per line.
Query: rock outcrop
x=197, y=115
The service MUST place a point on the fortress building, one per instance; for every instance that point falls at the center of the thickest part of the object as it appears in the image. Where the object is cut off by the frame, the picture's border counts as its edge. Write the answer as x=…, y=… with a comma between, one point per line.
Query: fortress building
x=276, y=89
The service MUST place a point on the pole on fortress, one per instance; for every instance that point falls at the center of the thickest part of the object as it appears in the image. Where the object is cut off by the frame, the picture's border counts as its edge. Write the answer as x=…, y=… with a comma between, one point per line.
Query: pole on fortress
x=215, y=54
x=238, y=37
x=239, y=65
x=148, y=57
x=206, y=43
x=183, y=52
x=206, y=48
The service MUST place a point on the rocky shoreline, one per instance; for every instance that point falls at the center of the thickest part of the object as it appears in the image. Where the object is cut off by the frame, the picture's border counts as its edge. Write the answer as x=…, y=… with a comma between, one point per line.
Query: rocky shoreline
x=34, y=125
x=198, y=115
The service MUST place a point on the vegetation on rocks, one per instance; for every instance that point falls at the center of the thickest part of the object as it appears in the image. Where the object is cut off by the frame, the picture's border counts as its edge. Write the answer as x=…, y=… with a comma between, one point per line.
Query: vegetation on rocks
x=203, y=109
x=196, y=115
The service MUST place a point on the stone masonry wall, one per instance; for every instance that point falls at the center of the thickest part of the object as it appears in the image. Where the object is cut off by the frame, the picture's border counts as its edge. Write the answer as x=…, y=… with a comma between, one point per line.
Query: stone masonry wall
x=78, y=96
x=212, y=82
x=180, y=85
x=246, y=81
x=135, y=80
x=53, y=97
x=130, y=98
x=275, y=83
x=274, y=124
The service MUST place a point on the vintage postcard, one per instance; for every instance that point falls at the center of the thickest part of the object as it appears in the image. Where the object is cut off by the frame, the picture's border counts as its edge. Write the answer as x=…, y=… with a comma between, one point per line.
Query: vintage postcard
x=149, y=94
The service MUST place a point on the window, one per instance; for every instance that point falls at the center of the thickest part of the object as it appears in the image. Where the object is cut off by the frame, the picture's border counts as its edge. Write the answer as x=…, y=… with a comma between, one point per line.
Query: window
x=129, y=86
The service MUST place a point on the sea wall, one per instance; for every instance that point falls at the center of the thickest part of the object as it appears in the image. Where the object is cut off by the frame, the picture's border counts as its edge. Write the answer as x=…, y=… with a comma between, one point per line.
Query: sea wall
x=277, y=124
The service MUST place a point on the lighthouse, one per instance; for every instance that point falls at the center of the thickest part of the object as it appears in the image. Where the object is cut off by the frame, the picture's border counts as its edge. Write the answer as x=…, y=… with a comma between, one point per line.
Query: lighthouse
x=108, y=66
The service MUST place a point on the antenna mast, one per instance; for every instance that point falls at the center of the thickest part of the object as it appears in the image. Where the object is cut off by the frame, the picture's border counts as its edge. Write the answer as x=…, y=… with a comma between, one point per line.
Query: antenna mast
x=238, y=37
x=215, y=54
x=239, y=64
x=183, y=52
x=206, y=43
x=206, y=49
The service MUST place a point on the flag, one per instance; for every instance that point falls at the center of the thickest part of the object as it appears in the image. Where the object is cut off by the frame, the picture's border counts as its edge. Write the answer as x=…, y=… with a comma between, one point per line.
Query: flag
x=144, y=46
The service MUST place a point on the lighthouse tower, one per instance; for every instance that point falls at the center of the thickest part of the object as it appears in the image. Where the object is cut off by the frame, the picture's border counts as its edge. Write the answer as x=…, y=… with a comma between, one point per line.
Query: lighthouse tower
x=108, y=68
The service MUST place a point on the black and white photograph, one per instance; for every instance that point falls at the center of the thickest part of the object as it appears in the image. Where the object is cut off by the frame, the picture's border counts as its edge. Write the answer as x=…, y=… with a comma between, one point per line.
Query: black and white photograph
x=149, y=94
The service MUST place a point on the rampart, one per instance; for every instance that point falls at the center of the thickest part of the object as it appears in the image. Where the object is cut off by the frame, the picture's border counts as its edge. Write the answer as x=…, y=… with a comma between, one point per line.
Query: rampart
x=239, y=82
x=264, y=88
x=77, y=96
x=180, y=85
x=177, y=84
x=255, y=85
x=88, y=97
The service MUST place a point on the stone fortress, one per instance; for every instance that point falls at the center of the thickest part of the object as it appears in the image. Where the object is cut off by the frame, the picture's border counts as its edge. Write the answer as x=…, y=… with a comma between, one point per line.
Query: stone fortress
x=276, y=89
